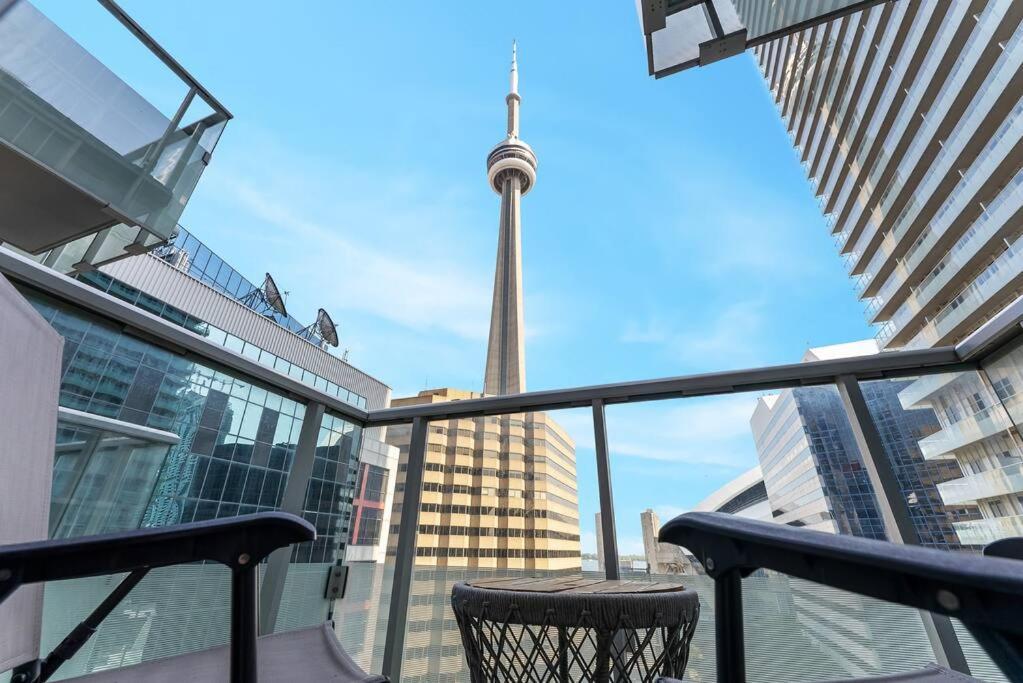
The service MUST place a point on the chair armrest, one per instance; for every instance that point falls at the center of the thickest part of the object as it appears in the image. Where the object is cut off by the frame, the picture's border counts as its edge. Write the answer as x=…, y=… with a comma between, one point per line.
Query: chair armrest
x=983, y=591
x=1006, y=547
x=220, y=540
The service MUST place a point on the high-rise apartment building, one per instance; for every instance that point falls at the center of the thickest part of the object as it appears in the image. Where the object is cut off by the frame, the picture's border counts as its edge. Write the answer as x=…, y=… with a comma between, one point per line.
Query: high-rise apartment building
x=908, y=119
x=498, y=492
x=813, y=471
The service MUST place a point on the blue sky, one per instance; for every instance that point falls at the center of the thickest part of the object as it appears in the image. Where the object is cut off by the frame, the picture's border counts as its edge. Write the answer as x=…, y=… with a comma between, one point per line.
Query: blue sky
x=671, y=230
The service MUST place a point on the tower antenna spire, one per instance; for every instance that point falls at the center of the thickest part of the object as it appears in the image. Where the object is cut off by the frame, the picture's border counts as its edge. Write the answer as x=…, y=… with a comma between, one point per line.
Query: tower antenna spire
x=514, y=70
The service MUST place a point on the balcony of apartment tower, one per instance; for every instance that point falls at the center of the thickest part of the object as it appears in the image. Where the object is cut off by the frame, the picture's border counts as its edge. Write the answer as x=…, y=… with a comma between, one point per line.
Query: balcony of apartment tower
x=99, y=158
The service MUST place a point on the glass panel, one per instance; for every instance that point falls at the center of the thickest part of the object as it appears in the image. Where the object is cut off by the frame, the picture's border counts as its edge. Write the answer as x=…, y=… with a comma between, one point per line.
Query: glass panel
x=108, y=482
x=172, y=610
x=102, y=481
x=788, y=457
x=500, y=498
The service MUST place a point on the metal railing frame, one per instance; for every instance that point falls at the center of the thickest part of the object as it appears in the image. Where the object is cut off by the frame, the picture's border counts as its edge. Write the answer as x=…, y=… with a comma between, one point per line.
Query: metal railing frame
x=969, y=355
x=845, y=374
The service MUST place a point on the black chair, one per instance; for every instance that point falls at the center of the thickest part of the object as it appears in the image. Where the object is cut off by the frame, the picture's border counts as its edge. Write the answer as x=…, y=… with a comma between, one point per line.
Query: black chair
x=985, y=593
x=240, y=543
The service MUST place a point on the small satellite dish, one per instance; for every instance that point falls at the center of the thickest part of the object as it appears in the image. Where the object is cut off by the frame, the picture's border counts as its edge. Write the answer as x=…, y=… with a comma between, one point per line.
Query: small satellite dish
x=273, y=295
x=266, y=299
x=323, y=329
x=326, y=327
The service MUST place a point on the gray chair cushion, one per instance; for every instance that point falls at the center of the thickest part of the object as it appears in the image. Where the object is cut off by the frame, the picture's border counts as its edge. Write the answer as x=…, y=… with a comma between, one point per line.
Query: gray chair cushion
x=932, y=673
x=311, y=654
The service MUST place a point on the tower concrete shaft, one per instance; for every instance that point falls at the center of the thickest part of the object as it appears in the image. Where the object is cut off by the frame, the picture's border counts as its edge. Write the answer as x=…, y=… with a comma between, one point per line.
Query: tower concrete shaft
x=511, y=170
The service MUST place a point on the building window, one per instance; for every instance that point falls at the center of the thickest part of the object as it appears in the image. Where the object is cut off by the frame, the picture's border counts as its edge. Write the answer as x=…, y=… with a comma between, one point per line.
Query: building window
x=372, y=483
x=368, y=523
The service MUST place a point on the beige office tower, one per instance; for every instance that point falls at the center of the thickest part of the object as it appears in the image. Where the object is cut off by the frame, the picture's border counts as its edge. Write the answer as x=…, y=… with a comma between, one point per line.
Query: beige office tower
x=498, y=492
x=908, y=118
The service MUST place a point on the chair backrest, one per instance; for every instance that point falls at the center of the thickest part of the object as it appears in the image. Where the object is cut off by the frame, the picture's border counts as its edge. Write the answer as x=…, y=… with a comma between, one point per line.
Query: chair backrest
x=30, y=353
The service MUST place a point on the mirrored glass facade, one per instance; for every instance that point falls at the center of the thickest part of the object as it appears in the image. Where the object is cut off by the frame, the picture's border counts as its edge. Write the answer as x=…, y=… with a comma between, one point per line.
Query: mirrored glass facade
x=815, y=475
x=237, y=445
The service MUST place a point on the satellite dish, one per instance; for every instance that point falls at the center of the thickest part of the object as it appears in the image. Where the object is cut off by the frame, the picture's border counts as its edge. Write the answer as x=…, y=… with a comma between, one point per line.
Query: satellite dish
x=273, y=295
x=268, y=298
x=326, y=327
x=323, y=329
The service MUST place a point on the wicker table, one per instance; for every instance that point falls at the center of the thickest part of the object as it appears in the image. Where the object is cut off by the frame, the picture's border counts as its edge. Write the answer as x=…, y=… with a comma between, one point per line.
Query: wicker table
x=574, y=629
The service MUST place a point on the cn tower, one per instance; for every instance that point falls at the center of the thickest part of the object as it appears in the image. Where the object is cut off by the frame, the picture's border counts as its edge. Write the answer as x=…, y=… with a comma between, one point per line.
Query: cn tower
x=511, y=170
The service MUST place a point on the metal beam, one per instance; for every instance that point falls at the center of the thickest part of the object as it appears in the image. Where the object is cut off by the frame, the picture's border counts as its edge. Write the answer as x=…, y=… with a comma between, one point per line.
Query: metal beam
x=292, y=500
x=898, y=523
x=607, y=507
x=888, y=364
x=405, y=555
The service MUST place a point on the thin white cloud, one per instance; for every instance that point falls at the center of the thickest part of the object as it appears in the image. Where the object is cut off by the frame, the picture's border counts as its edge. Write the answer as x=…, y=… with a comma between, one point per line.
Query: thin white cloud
x=729, y=338
x=743, y=232
x=701, y=431
x=348, y=226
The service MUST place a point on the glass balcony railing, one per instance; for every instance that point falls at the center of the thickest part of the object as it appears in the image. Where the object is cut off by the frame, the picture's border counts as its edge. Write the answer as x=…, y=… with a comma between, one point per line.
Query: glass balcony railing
x=984, y=531
x=995, y=82
x=1004, y=481
x=111, y=147
x=981, y=425
x=992, y=220
x=1001, y=272
x=923, y=388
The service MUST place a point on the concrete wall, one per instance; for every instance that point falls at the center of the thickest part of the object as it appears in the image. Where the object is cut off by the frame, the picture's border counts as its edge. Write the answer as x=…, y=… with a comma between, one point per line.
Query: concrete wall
x=30, y=353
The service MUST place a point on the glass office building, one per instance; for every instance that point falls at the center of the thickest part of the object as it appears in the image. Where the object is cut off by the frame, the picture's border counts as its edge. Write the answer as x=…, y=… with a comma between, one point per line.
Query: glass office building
x=235, y=448
x=815, y=475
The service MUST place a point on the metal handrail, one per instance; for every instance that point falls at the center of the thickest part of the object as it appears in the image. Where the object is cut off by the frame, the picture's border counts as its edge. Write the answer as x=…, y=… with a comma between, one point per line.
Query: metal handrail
x=891, y=364
x=164, y=56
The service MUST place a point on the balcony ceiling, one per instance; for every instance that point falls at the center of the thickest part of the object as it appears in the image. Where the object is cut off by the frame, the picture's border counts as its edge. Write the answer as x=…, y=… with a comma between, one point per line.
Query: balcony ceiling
x=42, y=210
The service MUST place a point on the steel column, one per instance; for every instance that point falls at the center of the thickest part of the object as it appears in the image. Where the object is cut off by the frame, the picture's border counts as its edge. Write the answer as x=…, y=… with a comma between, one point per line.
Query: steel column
x=730, y=646
x=243, y=625
x=292, y=501
x=894, y=510
x=607, y=505
x=405, y=555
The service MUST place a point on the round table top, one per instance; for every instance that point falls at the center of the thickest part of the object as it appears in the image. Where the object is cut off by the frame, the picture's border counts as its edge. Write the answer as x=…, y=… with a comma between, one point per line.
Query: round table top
x=576, y=585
